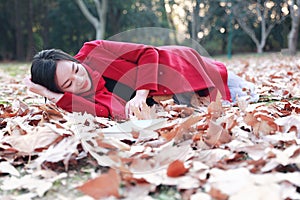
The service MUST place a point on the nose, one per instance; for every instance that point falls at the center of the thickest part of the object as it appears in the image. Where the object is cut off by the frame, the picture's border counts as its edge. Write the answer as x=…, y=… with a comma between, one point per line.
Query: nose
x=79, y=80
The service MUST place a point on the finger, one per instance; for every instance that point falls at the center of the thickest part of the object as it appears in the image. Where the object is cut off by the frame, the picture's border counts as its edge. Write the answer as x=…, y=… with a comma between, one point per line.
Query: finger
x=141, y=106
x=131, y=109
x=127, y=109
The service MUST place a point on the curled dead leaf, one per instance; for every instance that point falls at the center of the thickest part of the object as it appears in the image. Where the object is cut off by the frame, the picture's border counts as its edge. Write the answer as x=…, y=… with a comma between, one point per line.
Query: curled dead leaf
x=215, y=109
x=181, y=129
x=216, y=135
x=182, y=110
x=289, y=122
x=51, y=111
x=261, y=123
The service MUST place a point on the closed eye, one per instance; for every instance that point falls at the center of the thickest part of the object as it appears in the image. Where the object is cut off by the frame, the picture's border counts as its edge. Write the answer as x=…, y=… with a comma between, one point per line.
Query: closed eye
x=69, y=84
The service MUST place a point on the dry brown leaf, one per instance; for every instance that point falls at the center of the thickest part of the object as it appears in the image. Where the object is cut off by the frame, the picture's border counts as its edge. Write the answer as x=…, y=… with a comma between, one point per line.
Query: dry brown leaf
x=176, y=168
x=151, y=146
x=199, y=101
x=217, y=194
x=111, y=143
x=104, y=186
x=181, y=129
x=140, y=165
x=215, y=108
x=216, y=135
x=40, y=137
x=261, y=123
x=182, y=110
x=52, y=111
x=289, y=122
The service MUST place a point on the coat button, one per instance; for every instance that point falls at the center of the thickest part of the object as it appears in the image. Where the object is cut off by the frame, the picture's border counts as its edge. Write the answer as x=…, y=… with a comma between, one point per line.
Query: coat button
x=165, y=91
x=161, y=73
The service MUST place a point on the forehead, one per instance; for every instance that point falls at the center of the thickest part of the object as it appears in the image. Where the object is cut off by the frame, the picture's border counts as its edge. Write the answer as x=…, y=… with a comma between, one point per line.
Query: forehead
x=64, y=66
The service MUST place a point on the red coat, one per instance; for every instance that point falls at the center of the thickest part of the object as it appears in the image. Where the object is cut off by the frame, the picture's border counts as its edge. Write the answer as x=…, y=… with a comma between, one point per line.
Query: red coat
x=162, y=70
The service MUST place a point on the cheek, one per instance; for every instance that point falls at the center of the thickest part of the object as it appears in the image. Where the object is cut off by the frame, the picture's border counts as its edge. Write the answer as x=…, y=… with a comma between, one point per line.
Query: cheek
x=73, y=90
x=84, y=74
x=75, y=87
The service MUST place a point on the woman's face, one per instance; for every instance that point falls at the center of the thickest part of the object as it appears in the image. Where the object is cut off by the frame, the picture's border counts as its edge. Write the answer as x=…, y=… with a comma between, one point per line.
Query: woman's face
x=72, y=77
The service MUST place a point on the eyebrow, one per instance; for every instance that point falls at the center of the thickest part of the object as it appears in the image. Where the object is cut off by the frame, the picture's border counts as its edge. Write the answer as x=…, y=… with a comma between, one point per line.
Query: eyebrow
x=67, y=79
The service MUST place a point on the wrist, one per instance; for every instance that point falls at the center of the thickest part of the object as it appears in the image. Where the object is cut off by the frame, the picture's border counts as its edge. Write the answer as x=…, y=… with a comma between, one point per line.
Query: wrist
x=47, y=94
x=142, y=93
x=52, y=96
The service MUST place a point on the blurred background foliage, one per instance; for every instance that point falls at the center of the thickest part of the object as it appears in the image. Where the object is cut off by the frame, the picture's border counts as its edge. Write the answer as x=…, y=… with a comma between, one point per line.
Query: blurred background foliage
x=220, y=26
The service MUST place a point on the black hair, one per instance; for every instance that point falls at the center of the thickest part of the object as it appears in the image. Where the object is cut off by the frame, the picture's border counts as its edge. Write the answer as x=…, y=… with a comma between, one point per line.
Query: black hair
x=43, y=67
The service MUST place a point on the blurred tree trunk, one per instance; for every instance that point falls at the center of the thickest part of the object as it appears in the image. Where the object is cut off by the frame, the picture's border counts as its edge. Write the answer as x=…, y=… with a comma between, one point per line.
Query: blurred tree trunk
x=30, y=44
x=99, y=22
x=259, y=13
x=170, y=17
x=19, y=44
x=44, y=5
x=294, y=32
x=195, y=21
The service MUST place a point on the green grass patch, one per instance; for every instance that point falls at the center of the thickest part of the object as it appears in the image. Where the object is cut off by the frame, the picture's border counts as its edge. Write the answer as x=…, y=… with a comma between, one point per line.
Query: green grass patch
x=15, y=68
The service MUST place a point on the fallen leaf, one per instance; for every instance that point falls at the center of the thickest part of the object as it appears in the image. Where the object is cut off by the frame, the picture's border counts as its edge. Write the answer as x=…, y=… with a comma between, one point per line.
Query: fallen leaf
x=215, y=108
x=261, y=124
x=176, y=168
x=289, y=122
x=33, y=184
x=104, y=186
x=216, y=135
x=217, y=194
x=6, y=167
x=62, y=151
x=39, y=137
x=182, y=128
x=135, y=125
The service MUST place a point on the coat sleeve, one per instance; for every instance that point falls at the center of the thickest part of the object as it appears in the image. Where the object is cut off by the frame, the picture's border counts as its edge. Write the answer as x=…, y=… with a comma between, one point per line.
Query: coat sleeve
x=74, y=103
x=145, y=57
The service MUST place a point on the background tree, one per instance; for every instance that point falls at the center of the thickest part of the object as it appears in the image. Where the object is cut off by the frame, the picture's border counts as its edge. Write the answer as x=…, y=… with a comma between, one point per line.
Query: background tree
x=294, y=7
x=29, y=26
x=134, y=14
x=254, y=14
x=135, y=22
x=204, y=21
x=67, y=28
x=99, y=22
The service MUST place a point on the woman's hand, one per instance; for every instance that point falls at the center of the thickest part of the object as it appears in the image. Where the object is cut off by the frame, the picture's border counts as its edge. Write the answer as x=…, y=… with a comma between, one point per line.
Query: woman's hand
x=41, y=90
x=36, y=88
x=137, y=102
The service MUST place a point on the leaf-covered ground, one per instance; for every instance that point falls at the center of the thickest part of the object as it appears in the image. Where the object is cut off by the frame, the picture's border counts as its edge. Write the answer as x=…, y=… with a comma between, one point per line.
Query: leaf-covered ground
x=211, y=151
